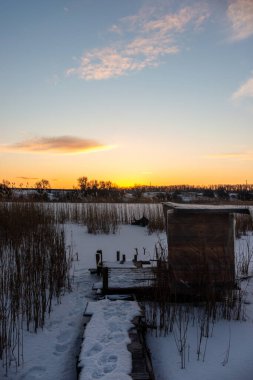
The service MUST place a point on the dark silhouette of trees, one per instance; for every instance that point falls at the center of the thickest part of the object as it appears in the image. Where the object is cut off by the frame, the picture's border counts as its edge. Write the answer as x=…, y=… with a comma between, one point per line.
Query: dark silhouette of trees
x=96, y=189
x=42, y=188
x=5, y=190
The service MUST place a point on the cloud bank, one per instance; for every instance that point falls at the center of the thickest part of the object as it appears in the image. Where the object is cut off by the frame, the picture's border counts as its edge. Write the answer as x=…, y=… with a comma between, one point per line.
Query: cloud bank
x=60, y=145
x=240, y=14
x=142, y=40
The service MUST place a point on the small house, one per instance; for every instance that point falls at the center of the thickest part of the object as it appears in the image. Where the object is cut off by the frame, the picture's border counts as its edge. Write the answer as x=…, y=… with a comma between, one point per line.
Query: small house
x=201, y=245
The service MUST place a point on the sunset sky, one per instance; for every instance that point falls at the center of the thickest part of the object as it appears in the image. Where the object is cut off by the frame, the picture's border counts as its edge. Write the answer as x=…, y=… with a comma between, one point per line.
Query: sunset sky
x=132, y=91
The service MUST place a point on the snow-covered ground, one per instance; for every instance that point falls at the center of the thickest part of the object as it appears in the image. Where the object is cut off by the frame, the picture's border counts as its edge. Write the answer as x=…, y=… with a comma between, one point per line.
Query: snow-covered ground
x=228, y=353
x=225, y=355
x=51, y=353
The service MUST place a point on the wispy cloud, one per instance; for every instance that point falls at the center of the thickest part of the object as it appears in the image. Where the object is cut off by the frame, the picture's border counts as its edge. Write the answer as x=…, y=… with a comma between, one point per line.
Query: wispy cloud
x=240, y=14
x=142, y=40
x=60, y=145
x=245, y=90
x=28, y=178
x=244, y=156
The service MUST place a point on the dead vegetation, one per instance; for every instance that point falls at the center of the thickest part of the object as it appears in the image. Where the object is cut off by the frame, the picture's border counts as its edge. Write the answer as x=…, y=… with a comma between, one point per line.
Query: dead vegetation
x=34, y=270
x=106, y=217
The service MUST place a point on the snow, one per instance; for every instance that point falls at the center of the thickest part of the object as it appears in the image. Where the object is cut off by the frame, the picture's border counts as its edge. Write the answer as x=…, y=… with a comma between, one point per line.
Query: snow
x=232, y=338
x=229, y=208
x=51, y=353
x=104, y=353
x=229, y=338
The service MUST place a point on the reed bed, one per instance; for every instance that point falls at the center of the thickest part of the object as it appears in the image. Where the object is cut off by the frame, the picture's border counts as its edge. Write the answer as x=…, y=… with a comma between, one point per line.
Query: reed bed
x=34, y=268
x=243, y=225
x=106, y=217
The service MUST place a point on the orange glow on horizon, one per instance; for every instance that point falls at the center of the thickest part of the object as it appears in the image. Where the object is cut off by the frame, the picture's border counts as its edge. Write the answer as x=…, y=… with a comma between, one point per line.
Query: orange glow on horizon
x=122, y=183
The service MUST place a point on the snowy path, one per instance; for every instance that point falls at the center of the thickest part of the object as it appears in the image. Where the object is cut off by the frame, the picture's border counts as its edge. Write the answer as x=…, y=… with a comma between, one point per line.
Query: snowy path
x=104, y=352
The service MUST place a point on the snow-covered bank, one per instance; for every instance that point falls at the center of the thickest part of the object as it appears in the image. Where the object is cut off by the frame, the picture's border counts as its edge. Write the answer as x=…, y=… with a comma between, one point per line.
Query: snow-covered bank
x=104, y=352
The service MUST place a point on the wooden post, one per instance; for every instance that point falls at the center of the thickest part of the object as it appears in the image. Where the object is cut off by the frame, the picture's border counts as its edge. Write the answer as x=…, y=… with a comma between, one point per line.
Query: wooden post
x=101, y=254
x=99, y=261
x=123, y=258
x=118, y=255
x=97, y=258
x=105, y=279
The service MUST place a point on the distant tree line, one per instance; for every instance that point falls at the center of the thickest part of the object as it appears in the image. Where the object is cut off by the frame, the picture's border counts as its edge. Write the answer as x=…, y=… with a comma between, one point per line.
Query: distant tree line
x=90, y=190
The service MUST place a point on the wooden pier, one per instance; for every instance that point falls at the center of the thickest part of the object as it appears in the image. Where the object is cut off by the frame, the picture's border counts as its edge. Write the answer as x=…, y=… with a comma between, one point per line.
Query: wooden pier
x=123, y=277
x=124, y=280
x=129, y=279
x=141, y=361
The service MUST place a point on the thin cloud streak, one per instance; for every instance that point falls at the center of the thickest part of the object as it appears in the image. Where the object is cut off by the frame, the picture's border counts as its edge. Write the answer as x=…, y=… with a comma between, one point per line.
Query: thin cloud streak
x=240, y=15
x=245, y=90
x=155, y=37
x=28, y=178
x=59, y=144
x=247, y=156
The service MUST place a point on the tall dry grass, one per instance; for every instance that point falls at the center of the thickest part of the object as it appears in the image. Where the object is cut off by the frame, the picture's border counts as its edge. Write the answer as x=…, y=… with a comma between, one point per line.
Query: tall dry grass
x=106, y=217
x=34, y=268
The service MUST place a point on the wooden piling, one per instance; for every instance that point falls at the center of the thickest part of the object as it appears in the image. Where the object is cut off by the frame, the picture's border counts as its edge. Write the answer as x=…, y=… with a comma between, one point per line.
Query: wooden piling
x=118, y=255
x=99, y=251
x=105, y=279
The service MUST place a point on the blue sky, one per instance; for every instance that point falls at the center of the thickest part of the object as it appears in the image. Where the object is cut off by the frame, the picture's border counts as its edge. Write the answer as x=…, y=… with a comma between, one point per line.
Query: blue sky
x=132, y=91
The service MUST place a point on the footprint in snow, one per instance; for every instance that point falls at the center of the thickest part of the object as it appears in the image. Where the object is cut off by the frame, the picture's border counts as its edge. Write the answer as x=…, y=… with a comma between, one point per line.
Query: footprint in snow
x=64, y=336
x=59, y=348
x=97, y=373
x=51, y=325
x=94, y=350
x=108, y=362
x=114, y=326
x=108, y=315
x=34, y=374
x=118, y=336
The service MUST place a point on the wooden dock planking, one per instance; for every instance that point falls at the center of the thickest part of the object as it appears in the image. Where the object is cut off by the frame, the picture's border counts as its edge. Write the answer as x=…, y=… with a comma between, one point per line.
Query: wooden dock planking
x=141, y=362
x=130, y=278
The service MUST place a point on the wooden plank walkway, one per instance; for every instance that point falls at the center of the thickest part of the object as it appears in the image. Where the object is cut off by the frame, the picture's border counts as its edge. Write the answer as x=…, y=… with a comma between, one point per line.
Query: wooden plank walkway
x=141, y=361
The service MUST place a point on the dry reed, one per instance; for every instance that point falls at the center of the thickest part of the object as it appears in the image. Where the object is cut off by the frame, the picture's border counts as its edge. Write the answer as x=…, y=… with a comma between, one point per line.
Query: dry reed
x=33, y=269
